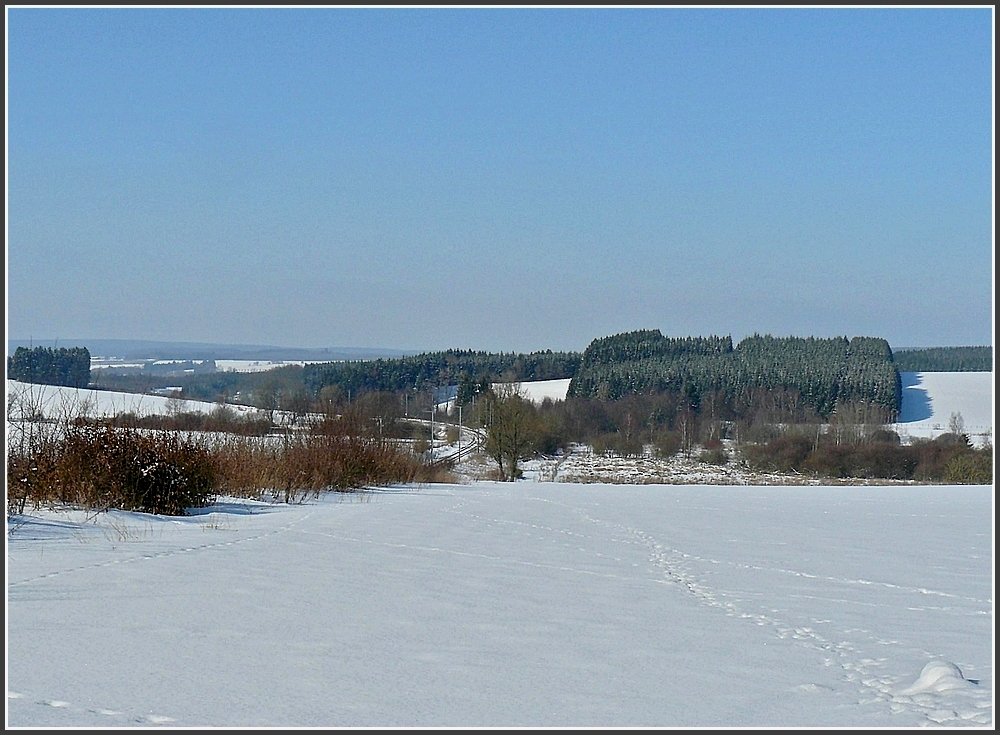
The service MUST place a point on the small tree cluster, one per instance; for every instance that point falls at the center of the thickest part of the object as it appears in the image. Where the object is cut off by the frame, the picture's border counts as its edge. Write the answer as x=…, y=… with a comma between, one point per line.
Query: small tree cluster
x=511, y=428
x=50, y=366
x=814, y=374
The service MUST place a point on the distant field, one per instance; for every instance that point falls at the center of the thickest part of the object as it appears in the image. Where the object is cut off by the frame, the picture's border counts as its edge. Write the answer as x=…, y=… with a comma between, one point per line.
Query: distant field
x=57, y=401
x=929, y=400
x=538, y=390
x=240, y=366
x=254, y=366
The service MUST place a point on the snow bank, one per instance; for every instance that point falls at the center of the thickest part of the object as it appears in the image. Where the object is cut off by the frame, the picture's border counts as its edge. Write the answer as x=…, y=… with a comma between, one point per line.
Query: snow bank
x=938, y=676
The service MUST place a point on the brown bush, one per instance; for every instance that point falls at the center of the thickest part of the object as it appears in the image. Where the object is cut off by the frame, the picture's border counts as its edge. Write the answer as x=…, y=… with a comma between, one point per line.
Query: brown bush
x=717, y=456
x=783, y=454
x=102, y=467
x=868, y=461
x=617, y=444
x=666, y=443
x=933, y=456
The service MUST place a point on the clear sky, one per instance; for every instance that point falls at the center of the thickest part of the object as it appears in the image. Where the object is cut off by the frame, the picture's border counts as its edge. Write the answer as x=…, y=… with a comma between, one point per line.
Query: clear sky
x=499, y=178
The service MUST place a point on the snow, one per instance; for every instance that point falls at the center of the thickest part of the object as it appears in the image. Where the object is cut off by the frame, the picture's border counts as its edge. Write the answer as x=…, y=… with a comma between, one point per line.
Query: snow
x=930, y=399
x=59, y=401
x=938, y=676
x=528, y=604
x=241, y=366
x=256, y=366
x=97, y=364
x=538, y=390
x=727, y=602
x=580, y=463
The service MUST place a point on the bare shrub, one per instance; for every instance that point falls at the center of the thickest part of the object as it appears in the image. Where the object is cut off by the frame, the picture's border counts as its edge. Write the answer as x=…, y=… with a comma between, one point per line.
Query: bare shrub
x=716, y=456
x=102, y=467
x=933, y=455
x=884, y=436
x=666, y=443
x=617, y=444
x=886, y=460
x=974, y=467
x=117, y=462
x=783, y=454
x=438, y=472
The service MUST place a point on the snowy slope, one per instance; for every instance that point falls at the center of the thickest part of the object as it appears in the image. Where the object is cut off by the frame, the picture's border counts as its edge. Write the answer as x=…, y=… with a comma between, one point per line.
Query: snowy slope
x=513, y=604
x=59, y=402
x=538, y=390
x=930, y=399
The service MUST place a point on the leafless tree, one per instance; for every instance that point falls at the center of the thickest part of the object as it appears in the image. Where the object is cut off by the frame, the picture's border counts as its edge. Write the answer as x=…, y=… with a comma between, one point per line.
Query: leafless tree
x=510, y=423
x=956, y=424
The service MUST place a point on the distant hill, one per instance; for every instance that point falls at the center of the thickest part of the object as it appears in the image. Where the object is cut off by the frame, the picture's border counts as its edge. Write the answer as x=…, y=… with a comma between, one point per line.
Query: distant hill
x=945, y=360
x=153, y=350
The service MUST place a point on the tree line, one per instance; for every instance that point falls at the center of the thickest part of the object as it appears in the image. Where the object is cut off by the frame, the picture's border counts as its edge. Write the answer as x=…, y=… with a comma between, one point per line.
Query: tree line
x=68, y=366
x=945, y=360
x=432, y=369
x=762, y=378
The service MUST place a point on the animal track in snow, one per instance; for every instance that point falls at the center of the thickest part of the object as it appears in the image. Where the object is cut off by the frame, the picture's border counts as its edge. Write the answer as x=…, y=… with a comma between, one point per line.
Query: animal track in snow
x=161, y=554
x=116, y=718
x=861, y=671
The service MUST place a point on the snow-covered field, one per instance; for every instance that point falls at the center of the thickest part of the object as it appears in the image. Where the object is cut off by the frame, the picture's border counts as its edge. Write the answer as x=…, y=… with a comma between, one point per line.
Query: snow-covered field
x=518, y=604
x=538, y=390
x=240, y=366
x=582, y=464
x=256, y=366
x=531, y=604
x=930, y=400
x=59, y=402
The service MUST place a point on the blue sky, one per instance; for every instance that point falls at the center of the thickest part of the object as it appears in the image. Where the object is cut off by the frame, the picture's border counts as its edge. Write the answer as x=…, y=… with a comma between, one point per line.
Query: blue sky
x=498, y=178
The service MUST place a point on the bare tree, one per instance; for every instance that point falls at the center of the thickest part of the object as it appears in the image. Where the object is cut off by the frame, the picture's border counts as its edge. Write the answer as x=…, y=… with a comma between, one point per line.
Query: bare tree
x=510, y=423
x=175, y=404
x=956, y=424
x=267, y=399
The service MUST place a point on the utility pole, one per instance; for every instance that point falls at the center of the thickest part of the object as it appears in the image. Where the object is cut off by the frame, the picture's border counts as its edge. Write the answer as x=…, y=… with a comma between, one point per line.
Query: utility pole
x=433, y=406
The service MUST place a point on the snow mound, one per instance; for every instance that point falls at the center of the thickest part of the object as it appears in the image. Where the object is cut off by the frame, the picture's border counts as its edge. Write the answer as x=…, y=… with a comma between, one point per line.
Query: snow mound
x=938, y=676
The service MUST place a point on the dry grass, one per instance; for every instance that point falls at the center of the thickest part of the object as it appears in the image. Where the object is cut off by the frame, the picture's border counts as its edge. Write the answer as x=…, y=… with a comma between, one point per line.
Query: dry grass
x=101, y=464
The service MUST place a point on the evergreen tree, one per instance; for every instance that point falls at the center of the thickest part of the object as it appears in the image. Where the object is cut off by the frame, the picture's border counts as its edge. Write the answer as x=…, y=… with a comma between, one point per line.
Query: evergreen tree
x=48, y=366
